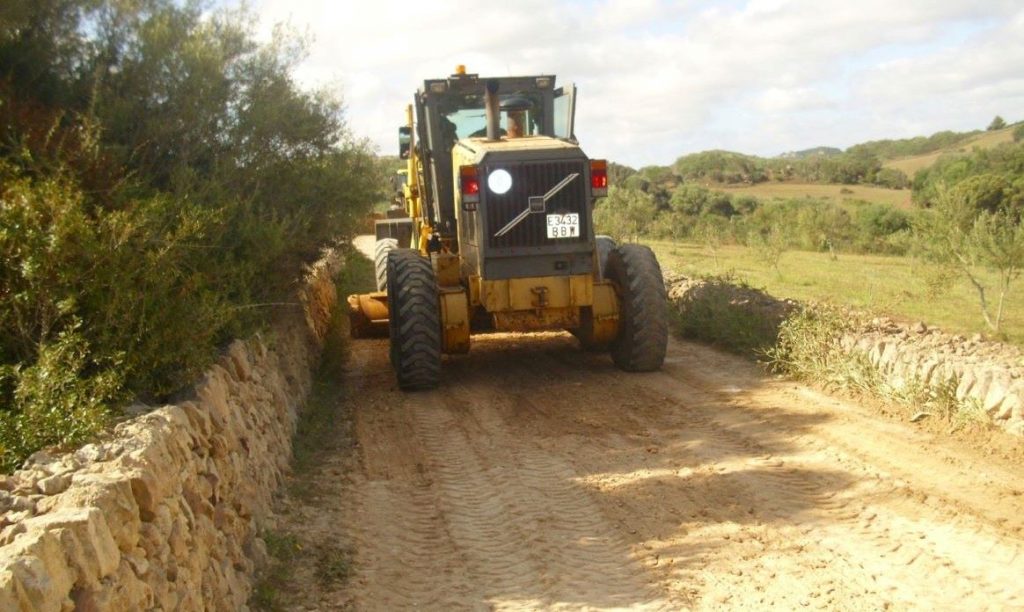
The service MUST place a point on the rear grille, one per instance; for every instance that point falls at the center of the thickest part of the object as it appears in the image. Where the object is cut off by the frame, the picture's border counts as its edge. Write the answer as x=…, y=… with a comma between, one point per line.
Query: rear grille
x=535, y=179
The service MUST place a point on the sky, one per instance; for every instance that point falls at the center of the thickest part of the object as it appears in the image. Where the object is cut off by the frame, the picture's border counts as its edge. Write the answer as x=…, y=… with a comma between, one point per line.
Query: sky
x=660, y=79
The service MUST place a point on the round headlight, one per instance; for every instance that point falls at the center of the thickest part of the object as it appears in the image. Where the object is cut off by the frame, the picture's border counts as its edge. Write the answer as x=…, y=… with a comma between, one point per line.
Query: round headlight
x=499, y=181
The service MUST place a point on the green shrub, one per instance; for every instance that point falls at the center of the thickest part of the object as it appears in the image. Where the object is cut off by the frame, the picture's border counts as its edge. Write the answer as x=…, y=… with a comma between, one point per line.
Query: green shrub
x=62, y=399
x=808, y=349
x=877, y=227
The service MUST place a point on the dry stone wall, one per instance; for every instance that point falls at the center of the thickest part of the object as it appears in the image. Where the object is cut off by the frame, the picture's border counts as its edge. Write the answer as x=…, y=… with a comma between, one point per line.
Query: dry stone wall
x=986, y=376
x=165, y=512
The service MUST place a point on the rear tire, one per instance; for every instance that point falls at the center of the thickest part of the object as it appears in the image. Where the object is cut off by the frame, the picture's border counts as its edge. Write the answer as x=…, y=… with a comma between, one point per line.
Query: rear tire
x=414, y=320
x=380, y=260
x=643, y=309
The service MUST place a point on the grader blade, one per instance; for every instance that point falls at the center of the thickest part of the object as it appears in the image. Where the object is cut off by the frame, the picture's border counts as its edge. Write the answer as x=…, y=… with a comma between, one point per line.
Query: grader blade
x=368, y=315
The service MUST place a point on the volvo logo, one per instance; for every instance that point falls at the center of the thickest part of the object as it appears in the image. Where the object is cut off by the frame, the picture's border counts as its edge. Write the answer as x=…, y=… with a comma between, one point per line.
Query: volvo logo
x=536, y=204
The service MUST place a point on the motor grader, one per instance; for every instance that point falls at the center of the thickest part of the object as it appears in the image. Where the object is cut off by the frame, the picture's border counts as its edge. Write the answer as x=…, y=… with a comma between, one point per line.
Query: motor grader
x=495, y=233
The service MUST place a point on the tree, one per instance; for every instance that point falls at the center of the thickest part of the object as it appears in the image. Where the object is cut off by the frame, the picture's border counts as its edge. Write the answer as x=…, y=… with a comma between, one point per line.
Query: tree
x=769, y=246
x=997, y=124
x=710, y=232
x=625, y=214
x=963, y=237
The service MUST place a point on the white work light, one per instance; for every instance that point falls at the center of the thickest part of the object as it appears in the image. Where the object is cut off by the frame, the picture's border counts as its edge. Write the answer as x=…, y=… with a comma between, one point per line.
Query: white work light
x=499, y=181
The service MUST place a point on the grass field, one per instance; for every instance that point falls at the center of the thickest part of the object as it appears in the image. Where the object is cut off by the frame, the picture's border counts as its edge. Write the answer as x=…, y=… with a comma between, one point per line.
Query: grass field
x=894, y=286
x=899, y=198
x=910, y=165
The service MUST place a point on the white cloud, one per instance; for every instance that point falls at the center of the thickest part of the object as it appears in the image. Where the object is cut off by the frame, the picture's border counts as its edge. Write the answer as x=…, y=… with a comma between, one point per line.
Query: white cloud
x=659, y=79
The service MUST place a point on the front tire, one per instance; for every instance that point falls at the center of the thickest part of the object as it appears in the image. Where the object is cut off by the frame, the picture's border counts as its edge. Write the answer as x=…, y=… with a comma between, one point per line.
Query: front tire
x=643, y=308
x=414, y=320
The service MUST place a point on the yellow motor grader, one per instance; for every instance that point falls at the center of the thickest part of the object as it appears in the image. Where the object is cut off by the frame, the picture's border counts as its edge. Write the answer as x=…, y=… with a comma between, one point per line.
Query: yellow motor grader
x=495, y=233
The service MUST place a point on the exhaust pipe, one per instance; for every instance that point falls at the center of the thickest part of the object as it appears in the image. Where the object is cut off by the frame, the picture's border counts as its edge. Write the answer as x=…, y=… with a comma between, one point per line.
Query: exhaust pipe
x=491, y=109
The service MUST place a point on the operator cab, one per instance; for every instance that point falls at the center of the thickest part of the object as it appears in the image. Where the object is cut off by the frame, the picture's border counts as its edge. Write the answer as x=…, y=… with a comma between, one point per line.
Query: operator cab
x=520, y=116
x=452, y=110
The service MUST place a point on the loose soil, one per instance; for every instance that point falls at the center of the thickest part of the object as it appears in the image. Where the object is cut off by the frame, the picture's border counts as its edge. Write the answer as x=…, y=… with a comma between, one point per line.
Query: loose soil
x=539, y=476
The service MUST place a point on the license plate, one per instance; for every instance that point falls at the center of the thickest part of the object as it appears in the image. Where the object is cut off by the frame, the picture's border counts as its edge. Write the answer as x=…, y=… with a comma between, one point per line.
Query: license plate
x=564, y=226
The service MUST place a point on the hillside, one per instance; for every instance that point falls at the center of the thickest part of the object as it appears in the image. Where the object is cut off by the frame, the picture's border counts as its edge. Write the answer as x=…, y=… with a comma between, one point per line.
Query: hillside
x=878, y=171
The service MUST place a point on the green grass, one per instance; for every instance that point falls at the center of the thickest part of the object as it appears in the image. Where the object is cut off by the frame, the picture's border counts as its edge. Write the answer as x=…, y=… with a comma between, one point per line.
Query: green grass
x=895, y=286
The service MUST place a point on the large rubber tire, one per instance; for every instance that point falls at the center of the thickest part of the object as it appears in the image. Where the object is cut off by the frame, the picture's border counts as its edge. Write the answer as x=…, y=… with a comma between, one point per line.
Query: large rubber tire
x=603, y=245
x=643, y=309
x=380, y=260
x=414, y=320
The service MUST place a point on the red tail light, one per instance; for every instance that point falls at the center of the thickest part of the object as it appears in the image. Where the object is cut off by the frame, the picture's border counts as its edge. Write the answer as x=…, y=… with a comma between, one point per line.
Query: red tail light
x=599, y=177
x=469, y=182
x=469, y=187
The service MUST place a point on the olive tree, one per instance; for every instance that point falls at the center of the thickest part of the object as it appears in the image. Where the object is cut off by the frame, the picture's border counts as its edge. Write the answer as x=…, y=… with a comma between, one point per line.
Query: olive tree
x=964, y=234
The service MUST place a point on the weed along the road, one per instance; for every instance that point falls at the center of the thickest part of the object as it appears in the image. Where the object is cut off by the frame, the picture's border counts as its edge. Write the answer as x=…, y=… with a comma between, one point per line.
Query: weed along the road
x=306, y=555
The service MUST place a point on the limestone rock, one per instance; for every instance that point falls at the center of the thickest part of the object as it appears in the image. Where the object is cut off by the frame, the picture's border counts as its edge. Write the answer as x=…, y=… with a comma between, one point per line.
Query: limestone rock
x=54, y=484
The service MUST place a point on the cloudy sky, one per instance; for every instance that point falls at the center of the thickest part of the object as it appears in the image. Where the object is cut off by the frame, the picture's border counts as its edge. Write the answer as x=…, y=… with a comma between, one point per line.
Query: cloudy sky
x=658, y=79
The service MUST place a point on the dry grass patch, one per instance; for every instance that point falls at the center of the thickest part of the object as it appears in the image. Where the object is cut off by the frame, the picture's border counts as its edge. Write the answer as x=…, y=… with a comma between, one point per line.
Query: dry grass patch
x=899, y=198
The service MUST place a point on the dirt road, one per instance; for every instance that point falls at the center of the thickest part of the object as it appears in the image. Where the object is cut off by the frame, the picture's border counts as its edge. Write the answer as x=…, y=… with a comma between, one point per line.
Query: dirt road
x=539, y=476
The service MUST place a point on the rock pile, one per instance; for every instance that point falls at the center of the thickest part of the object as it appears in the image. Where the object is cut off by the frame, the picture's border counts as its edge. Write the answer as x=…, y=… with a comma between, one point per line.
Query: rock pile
x=165, y=513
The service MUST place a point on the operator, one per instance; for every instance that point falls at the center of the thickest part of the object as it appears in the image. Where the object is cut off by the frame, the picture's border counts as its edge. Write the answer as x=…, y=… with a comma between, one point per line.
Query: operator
x=516, y=124
x=515, y=117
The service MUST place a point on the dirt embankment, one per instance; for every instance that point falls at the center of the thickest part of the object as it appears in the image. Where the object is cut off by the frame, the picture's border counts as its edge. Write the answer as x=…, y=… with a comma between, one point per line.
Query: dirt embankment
x=539, y=476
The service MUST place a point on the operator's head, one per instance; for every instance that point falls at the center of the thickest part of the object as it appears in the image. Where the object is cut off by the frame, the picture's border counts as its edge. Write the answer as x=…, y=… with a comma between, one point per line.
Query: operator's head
x=515, y=113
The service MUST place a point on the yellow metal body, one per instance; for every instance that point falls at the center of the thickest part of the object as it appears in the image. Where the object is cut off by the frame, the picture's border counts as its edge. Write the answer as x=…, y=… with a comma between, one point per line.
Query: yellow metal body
x=454, y=320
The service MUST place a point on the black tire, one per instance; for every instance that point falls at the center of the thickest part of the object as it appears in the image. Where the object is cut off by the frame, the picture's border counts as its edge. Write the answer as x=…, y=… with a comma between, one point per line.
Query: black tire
x=604, y=245
x=380, y=260
x=643, y=309
x=414, y=320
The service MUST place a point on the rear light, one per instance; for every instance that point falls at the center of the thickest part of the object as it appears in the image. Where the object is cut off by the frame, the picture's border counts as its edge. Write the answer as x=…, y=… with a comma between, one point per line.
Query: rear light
x=469, y=187
x=599, y=177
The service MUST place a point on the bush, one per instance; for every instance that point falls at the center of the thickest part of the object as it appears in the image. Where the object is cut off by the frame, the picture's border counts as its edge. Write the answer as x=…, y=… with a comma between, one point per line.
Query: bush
x=876, y=224
x=808, y=349
x=62, y=399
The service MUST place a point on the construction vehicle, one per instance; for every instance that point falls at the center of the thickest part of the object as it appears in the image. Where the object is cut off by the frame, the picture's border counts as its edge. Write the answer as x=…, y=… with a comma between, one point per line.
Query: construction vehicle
x=495, y=233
